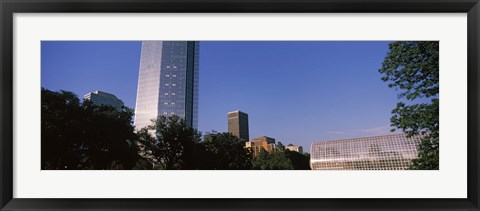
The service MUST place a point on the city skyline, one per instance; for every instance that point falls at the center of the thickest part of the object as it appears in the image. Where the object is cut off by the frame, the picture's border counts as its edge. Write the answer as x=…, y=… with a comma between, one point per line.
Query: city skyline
x=297, y=92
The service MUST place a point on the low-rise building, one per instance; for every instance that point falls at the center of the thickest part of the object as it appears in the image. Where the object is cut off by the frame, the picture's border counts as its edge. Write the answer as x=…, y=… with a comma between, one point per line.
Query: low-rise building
x=261, y=143
x=209, y=135
x=265, y=139
x=104, y=98
x=298, y=149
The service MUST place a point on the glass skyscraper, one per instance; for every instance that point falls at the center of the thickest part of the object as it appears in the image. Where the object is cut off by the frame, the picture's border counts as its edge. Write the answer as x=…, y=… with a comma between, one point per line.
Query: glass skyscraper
x=167, y=82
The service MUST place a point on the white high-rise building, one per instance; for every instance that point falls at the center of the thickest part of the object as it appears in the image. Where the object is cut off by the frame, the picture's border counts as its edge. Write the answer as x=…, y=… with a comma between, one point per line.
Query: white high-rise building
x=167, y=82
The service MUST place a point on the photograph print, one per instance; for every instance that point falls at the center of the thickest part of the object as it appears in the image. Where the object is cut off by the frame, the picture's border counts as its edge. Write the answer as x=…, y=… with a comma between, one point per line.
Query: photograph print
x=239, y=105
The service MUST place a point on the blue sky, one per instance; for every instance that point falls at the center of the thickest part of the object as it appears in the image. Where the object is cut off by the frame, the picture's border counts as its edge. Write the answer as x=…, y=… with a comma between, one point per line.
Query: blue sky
x=294, y=91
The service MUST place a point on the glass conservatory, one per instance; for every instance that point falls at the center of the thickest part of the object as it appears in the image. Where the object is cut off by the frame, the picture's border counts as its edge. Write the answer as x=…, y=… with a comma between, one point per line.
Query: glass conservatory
x=388, y=152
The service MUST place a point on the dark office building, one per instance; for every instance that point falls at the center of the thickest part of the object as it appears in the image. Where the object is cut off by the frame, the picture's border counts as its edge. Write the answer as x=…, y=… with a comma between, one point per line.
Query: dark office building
x=238, y=124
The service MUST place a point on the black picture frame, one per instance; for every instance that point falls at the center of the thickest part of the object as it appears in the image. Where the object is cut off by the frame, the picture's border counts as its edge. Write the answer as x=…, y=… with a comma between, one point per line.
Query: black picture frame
x=9, y=7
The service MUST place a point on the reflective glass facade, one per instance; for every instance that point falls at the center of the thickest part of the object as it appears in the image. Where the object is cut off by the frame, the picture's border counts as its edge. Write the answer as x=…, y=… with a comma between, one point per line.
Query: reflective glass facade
x=388, y=152
x=104, y=98
x=167, y=82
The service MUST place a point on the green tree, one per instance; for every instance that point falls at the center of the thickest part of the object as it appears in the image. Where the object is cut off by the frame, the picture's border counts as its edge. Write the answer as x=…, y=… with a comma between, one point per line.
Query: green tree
x=59, y=144
x=85, y=136
x=226, y=152
x=276, y=160
x=413, y=67
x=173, y=144
x=280, y=146
x=299, y=161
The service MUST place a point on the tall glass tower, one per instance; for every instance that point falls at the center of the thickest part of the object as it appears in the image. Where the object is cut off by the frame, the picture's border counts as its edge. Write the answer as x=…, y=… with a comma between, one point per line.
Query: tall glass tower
x=167, y=82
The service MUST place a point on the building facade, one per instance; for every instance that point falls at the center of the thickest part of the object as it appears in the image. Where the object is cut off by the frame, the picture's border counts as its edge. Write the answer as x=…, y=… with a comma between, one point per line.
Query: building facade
x=209, y=135
x=167, y=82
x=388, y=152
x=238, y=124
x=298, y=149
x=104, y=98
x=264, y=139
x=261, y=143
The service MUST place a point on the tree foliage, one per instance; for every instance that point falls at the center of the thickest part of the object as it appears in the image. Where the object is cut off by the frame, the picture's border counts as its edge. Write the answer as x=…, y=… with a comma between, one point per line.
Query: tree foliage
x=413, y=68
x=276, y=160
x=299, y=161
x=173, y=143
x=226, y=151
x=85, y=136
